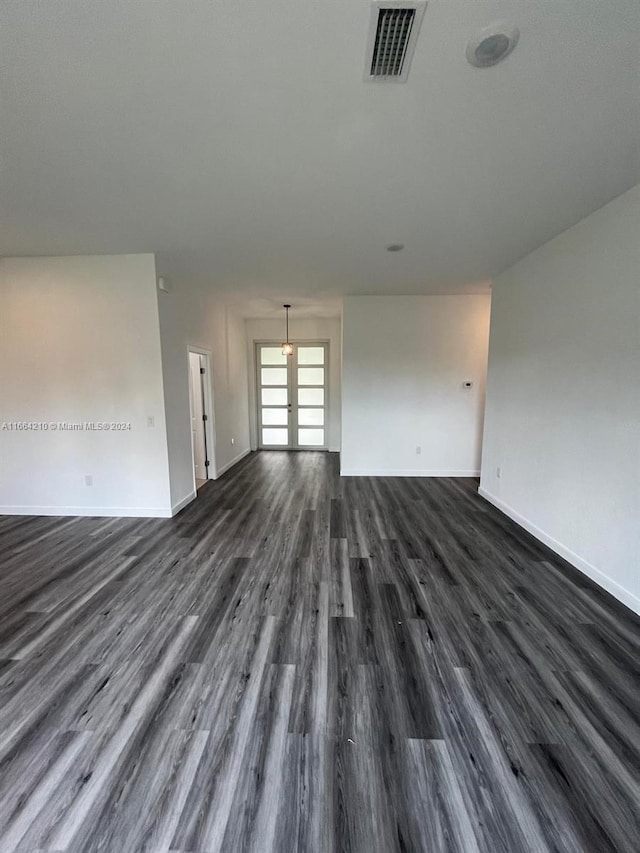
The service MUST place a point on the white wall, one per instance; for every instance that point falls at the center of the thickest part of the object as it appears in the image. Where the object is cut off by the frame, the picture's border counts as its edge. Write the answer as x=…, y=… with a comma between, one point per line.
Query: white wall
x=563, y=405
x=405, y=359
x=192, y=316
x=306, y=329
x=79, y=342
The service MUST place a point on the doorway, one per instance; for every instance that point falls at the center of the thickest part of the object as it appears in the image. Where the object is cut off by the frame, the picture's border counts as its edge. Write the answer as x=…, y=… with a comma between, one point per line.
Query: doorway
x=199, y=401
x=292, y=396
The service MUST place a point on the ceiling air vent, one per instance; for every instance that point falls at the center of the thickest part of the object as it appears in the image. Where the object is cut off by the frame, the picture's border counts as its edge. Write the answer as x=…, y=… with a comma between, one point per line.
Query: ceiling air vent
x=393, y=33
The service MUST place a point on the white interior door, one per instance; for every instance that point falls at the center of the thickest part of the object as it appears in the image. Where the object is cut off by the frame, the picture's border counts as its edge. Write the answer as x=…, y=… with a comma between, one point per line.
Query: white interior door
x=310, y=368
x=197, y=416
x=292, y=396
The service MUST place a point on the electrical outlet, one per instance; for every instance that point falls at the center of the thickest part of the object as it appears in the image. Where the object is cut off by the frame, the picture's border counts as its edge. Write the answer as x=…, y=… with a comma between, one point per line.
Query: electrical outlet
x=151, y=421
x=88, y=479
x=418, y=450
x=498, y=472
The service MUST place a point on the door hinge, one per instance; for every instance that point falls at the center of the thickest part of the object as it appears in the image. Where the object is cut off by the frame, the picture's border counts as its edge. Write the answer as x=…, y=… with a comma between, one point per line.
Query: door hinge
x=205, y=417
x=202, y=370
x=206, y=463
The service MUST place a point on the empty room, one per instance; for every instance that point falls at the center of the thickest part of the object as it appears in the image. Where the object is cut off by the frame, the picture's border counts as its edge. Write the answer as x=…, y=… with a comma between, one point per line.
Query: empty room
x=319, y=426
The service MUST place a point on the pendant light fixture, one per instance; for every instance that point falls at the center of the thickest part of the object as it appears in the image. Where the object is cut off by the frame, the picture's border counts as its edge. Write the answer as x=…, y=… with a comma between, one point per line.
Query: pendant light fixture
x=287, y=348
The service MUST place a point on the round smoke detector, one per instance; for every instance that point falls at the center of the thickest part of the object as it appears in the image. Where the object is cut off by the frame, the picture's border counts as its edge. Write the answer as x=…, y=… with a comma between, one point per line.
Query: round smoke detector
x=492, y=44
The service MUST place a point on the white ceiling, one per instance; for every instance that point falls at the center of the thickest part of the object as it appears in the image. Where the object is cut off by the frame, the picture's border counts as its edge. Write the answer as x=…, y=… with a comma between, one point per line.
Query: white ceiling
x=237, y=139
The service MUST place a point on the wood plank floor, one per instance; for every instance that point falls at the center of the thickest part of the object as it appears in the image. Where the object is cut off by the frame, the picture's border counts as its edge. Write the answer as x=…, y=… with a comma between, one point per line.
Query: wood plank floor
x=300, y=662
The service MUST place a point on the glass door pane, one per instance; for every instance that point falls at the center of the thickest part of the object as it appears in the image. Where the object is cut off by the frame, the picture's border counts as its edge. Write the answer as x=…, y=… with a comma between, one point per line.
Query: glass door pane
x=274, y=375
x=311, y=417
x=273, y=355
x=311, y=396
x=274, y=396
x=275, y=437
x=310, y=355
x=311, y=376
x=277, y=417
x=311, y=437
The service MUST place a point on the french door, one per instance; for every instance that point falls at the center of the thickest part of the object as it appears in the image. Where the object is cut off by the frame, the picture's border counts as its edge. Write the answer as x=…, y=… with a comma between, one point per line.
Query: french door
x=292, y=396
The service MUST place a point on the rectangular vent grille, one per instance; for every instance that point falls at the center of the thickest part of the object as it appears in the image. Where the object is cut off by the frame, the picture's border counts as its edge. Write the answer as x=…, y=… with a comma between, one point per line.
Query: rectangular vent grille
x=392, y=38
x=394, y=26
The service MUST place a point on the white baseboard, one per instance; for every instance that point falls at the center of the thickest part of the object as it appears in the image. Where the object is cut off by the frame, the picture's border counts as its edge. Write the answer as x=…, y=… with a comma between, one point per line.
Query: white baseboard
x=619, y=592
x=404, y=472
x=177, y=507
x=90, y=511
x=234, y=461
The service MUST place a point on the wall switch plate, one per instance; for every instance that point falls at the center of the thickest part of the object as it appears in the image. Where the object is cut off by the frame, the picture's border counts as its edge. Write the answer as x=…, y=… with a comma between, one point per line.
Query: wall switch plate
x=88, y=479
x=418, y=450
x=498, y=472
x=151, y=421
x=233, y=441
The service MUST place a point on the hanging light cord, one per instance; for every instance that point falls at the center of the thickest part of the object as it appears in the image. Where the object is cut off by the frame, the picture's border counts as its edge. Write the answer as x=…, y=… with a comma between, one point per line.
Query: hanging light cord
x=287, y=348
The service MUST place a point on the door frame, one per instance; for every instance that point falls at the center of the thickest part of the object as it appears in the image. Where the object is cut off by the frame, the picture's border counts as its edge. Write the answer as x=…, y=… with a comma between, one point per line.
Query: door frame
x=209, y=425
x=325, y=342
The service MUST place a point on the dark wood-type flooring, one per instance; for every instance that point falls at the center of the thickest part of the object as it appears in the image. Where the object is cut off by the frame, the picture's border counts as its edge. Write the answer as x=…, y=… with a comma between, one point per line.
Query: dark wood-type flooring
x=300, y=663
